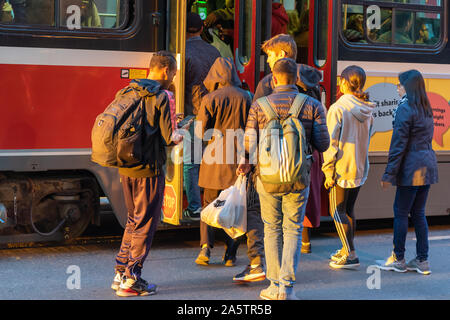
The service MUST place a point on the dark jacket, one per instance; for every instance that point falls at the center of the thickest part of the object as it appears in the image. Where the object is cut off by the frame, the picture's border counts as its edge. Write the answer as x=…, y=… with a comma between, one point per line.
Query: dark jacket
x=312, y=117
x=200, y=56
x=412, y=161
x=308, y=79
x=224, y=108
x=158, y=130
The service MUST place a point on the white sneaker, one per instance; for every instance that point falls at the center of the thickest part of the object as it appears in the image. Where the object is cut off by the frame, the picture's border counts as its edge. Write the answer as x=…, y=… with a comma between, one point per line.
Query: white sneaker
x=392, y=264
x=117, y=280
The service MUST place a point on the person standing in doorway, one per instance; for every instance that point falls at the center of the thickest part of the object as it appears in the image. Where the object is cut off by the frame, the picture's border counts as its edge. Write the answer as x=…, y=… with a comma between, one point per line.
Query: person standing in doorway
x=223, y=110
x=200, y=56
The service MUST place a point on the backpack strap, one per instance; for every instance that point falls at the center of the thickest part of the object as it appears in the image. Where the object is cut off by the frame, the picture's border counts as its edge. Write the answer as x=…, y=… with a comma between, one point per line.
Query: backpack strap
x=297, y=105
x=266, y=107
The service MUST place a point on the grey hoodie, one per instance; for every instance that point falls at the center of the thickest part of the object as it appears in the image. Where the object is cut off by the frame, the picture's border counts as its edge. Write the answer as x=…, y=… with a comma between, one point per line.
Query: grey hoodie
x=349, y=123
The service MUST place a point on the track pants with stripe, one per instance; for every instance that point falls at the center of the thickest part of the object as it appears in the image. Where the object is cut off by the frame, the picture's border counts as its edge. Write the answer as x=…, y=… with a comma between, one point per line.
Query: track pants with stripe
x=342, y=203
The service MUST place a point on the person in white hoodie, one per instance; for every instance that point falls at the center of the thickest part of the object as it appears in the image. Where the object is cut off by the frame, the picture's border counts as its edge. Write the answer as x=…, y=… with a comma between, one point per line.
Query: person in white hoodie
x=346, y=162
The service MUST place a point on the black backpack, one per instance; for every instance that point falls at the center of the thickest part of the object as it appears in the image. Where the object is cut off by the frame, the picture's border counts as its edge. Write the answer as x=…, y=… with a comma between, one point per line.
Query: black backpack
x=119, y=135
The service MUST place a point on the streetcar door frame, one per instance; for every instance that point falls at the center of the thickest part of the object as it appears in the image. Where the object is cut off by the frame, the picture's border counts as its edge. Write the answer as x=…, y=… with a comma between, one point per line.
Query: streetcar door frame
x=329, y=67
x=248, y=54
x=172, y=210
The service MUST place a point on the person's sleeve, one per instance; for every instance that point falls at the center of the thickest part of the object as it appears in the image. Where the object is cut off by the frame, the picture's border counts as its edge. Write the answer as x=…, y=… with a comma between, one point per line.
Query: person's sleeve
x=251, y=134
x=165, y=120
x=334, y=122
x=204, y=118
x=262, y=89
x=320, y=136
x=399, y=143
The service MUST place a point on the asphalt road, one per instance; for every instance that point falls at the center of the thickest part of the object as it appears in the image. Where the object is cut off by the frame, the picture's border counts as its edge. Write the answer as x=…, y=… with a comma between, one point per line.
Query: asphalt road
x=86, y=272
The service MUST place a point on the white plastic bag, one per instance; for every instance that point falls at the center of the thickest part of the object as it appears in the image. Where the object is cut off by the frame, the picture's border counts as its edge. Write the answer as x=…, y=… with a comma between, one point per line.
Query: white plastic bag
x=229, y=210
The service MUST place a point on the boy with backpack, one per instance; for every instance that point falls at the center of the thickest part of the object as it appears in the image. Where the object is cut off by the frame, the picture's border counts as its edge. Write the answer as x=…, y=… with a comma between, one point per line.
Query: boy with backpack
x=291, y=125
x=308, y=79
x=139, y=124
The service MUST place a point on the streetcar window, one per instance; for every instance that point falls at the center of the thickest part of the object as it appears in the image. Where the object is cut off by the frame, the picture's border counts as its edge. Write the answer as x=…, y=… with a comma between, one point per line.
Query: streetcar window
x=245, y=44
x=298, y=27
x=436, y=3
x=321, y=47
x=403, y=29
x=105, y=14
x=352, y=23
x=73, y=14
x=415, y=23
x=22, y=12
x=427, y=29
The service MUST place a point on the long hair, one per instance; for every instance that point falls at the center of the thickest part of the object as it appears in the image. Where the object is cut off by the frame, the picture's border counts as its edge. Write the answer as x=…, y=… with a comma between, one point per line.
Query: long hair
x=414, y=85
x=356, y=79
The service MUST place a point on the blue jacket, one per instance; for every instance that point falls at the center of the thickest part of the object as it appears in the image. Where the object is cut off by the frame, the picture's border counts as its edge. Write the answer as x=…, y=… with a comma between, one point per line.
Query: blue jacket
x=412, y=161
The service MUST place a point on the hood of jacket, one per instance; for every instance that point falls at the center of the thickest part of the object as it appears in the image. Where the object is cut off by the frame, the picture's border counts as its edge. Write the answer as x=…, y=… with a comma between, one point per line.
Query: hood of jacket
x=222, y=74
x=146, y=87
x=360, y=109
x=307, y=77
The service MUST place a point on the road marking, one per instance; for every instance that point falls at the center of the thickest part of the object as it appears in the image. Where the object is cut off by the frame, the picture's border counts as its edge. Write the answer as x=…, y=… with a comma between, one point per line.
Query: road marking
x=437, y=238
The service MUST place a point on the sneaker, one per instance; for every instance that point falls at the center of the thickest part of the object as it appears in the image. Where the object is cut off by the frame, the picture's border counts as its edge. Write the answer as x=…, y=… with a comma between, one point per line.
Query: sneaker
x=345, y=263
x=117, y=280
x=337, y=255
x=229, y=261
x=203, y=257
x=422, y=267
x=193, y=215
x=270, y=293
x=392, y=264
x=306, y=247
x=251, y=274
x=287, y=293
x=130, y=287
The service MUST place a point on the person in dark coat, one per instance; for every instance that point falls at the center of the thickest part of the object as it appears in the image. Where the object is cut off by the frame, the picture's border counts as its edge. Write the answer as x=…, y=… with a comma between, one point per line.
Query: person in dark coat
x=200, y=56
x=308, y=78
x=223, y=110
x=412, y=167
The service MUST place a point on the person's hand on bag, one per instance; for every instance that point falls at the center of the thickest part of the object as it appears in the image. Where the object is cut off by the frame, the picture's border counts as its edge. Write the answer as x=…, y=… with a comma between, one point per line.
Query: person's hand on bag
x=329, y=183
x=243, y=168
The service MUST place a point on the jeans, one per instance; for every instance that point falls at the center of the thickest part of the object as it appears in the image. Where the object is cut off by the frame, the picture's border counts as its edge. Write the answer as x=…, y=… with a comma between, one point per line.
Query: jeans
x=283, y=216
x=411, y=200
x=191, y=169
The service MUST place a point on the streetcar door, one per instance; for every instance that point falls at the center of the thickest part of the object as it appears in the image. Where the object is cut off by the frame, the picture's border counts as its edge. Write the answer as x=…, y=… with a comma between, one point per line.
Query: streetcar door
x=176, y=43
x=249, y=31
x=322, y=44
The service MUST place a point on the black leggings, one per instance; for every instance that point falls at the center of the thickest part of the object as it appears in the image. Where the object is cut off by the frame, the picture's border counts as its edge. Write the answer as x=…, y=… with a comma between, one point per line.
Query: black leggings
x=342, y=202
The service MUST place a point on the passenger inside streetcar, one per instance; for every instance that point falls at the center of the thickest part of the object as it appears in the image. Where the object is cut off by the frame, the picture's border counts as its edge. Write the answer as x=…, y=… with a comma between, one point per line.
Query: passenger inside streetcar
x=355, y=30
x=403, y=27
